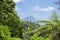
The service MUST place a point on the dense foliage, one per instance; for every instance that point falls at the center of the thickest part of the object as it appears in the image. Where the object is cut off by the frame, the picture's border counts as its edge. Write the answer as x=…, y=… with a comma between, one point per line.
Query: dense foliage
x=9, y=17
x=12, y=28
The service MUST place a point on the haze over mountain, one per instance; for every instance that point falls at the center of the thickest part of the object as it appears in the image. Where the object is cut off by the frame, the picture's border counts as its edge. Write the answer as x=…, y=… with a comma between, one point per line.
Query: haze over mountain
x=30, y=19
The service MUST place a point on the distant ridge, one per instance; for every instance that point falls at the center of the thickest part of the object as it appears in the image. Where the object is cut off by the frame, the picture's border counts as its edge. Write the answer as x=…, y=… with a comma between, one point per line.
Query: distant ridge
x=29, y=19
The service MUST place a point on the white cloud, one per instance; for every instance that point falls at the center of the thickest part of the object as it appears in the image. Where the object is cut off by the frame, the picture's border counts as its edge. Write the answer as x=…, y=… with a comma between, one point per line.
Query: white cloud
x=37, y=8
x=17, y=1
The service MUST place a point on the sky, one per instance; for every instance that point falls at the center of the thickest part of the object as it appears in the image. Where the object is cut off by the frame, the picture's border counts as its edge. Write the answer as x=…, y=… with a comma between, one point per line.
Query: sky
x=39, y=9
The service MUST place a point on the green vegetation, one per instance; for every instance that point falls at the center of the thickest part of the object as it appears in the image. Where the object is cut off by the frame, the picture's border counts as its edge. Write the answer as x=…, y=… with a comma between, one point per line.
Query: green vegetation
x=13, y=28
x=8, y=17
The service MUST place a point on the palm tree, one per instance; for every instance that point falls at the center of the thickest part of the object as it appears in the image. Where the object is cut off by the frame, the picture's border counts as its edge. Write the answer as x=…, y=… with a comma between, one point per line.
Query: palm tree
x=51, y=28
x=54, y=32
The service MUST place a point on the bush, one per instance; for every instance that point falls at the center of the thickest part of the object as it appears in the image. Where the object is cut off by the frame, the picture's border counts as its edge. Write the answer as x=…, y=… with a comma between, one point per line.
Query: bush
x=5, y=34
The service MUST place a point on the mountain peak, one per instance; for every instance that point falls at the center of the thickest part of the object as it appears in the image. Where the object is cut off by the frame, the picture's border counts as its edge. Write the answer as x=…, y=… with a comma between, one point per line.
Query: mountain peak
x=30, y=19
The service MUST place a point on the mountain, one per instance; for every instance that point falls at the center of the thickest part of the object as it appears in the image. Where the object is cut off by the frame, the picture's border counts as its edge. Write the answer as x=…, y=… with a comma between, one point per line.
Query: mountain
x=30, y=19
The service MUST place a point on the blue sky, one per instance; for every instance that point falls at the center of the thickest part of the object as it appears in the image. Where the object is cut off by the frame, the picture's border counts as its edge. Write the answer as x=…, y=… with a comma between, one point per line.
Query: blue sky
x=39, y=9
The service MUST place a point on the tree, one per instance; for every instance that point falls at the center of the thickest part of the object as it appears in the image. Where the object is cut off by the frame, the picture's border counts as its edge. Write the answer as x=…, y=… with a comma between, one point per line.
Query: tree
x=55, y=25
x=49, y=31
x=9, y=17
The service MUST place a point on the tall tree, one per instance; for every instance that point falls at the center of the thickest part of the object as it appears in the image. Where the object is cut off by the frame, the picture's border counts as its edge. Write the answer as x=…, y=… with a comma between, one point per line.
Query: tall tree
x=9, y=17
